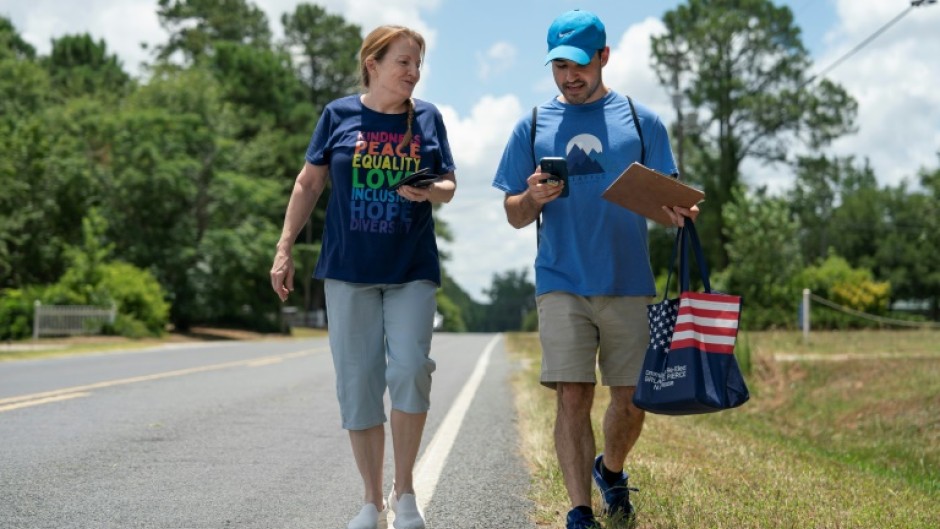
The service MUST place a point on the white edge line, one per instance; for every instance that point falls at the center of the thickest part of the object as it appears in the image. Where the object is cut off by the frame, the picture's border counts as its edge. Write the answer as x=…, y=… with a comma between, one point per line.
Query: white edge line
x=428, y=470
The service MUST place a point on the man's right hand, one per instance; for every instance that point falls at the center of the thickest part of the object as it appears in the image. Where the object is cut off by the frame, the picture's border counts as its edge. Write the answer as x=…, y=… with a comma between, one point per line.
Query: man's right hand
x=542, y=193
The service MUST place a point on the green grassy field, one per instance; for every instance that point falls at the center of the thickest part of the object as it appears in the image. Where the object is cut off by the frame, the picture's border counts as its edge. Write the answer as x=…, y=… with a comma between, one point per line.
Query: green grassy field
x=849, y=439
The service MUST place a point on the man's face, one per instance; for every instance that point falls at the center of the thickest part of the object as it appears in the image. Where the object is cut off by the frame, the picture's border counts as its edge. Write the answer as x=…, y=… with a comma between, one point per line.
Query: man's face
x=580, y=84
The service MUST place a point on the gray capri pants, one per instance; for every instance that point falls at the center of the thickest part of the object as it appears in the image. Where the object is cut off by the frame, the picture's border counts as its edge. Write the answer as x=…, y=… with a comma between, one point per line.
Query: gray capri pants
x=380, y=336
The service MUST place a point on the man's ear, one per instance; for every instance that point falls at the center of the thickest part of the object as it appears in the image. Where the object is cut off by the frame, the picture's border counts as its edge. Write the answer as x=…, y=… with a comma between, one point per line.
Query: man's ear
x=605, y=55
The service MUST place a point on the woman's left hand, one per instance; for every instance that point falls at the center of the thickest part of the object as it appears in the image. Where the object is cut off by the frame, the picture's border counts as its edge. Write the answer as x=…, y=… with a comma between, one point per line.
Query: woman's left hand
x=415, y=194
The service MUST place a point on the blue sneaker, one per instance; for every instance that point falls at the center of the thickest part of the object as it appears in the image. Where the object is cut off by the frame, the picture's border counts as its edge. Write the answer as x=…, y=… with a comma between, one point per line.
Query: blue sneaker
x=616, y=496
x=579, y=520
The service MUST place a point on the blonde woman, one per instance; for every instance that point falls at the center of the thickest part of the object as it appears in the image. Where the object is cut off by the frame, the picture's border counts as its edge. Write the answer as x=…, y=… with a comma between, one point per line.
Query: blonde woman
x=379, y=259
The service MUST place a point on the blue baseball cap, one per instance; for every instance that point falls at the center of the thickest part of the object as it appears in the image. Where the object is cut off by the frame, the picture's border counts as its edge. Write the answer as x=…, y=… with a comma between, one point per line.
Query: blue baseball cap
x=576, y=36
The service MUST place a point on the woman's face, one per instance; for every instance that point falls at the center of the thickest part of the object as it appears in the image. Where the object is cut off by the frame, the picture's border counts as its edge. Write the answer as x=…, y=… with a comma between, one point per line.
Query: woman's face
x=398, y=72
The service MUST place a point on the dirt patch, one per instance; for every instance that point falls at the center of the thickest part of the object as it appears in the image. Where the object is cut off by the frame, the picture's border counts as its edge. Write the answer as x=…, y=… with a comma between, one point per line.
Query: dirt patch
x=215, y=333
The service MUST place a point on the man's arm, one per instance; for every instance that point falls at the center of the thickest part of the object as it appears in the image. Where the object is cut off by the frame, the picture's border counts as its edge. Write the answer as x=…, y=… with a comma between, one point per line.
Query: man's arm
x=522, y=209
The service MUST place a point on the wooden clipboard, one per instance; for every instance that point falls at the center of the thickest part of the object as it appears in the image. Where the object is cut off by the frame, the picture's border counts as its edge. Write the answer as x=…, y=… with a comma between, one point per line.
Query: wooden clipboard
x=644, y=191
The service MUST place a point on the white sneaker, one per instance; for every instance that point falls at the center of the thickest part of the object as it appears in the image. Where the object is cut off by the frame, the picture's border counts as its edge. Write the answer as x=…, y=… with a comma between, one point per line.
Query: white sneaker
x=369, y=518
x=407, y=513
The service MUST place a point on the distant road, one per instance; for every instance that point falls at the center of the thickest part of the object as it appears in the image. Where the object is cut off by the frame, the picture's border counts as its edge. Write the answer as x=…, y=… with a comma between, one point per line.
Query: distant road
x=242, y=435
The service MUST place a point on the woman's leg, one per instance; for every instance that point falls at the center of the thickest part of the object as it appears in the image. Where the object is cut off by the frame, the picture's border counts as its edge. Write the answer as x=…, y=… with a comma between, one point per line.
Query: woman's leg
x=407, y=429
x=358, y=347
x=368, y=448
x=409, y=313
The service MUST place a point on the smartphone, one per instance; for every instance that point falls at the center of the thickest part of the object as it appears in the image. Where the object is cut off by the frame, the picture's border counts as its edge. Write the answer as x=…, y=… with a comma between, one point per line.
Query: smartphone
x=557, y=170
x=420, y=178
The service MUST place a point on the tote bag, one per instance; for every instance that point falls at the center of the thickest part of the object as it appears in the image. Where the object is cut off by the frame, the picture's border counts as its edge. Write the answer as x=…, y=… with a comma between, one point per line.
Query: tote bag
x=690, y=366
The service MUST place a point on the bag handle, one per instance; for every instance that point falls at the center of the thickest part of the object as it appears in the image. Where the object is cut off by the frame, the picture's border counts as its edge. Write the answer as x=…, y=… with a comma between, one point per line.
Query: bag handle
x=689, y=233
x=686, y=237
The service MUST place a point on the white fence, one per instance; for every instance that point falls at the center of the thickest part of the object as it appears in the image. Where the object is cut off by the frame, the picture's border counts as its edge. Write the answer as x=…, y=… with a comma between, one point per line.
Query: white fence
x=294, y=317
x=804, y=314
x=69, y=320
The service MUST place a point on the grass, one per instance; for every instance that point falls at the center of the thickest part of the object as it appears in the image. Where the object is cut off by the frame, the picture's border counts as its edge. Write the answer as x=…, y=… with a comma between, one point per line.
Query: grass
x=50, y=347
x=821, y=444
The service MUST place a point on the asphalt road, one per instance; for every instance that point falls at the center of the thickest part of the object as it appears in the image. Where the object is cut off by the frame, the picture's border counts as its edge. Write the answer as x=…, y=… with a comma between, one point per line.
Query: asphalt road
x=242, y=435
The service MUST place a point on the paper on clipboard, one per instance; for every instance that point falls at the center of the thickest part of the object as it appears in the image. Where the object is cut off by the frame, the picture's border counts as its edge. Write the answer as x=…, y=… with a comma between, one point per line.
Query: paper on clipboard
x=644, y=191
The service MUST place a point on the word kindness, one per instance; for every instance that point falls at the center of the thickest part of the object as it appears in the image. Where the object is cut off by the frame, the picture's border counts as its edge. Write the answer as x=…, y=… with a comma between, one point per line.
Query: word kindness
x=378, y=162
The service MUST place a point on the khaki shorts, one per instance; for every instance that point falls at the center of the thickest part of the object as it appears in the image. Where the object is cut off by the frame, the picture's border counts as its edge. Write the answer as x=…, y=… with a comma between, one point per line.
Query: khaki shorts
x=580, y=334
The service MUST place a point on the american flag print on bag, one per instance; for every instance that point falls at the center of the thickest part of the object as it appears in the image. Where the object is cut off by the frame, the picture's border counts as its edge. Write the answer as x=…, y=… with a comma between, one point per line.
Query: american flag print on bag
x=707, y=321
x=690, y=366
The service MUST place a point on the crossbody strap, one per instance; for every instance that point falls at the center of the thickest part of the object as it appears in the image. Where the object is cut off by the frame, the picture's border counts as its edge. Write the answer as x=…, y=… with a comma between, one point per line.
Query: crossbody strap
x=538, y=218
x=639, y=131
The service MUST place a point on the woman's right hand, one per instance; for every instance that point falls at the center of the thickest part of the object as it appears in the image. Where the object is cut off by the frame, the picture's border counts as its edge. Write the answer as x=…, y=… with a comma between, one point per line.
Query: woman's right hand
x=282, y=274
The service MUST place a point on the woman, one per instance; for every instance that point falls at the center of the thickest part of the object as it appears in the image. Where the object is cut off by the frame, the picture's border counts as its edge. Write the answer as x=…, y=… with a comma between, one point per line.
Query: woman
x=379, y=259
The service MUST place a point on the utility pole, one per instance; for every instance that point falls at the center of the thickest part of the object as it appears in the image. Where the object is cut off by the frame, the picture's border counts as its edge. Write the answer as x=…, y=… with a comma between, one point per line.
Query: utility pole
x=684, y=121
x=677, y=101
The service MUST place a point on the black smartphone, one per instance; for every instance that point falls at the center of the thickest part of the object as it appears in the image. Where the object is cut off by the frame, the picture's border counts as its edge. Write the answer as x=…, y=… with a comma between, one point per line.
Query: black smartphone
x=557, y=170
x=419, y=178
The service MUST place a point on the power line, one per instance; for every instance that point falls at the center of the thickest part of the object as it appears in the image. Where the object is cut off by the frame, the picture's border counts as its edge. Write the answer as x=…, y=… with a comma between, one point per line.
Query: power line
x=879, y=31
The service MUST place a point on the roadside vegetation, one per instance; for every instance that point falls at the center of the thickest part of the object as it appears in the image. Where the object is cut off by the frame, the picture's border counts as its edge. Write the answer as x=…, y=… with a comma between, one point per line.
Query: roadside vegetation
x=832, y=442
x=49, y=347
x=161, y=194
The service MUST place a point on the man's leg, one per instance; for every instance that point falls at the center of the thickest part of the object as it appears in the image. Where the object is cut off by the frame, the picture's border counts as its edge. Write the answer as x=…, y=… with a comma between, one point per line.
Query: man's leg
x=569, y=341
x=624, y=337
x=623, y=423
x=574, y=439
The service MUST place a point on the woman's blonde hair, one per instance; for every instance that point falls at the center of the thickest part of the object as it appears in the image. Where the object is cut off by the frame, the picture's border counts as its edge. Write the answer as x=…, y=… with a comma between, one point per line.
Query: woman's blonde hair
x=375, y=46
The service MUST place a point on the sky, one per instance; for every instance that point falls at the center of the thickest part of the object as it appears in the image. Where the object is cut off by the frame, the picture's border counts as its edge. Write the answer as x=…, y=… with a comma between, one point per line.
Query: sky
x=484, y=69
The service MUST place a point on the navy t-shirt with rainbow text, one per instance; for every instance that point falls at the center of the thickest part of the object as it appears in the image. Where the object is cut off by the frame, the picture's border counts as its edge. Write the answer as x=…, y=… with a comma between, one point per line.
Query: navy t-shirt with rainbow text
x=371, y=234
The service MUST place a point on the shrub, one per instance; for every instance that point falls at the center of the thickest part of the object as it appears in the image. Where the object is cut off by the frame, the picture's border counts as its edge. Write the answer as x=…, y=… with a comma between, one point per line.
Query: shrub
x=138, y=297
x=16, y=314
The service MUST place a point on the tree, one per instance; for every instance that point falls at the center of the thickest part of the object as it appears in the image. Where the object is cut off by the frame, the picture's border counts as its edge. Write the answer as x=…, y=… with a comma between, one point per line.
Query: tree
x=764, y=259
x=908, y=254
x=27, y=250
x=743, y=69
x=472, y=313
x=261, y=83
x=196, y=26
x=512, y=297
x=80, y=66
x=326, y=49
x=930, y=180
x=858, y=224
x=12, y=45
x=814, y=199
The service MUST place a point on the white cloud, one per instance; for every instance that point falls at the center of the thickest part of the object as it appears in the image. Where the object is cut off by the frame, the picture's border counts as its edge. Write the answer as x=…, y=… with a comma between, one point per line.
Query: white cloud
x=123, y=25
x=499, y=58
x=485, y=242
x=629, y=71
x=371, y=13
x=894, y=80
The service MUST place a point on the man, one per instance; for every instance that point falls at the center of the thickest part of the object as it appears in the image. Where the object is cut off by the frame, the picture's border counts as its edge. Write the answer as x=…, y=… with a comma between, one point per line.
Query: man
x=592, y=272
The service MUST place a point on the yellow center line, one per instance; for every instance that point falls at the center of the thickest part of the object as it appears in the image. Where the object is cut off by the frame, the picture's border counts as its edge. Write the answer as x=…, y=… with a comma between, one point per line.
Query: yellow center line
x=51, y=396
x=46, y=400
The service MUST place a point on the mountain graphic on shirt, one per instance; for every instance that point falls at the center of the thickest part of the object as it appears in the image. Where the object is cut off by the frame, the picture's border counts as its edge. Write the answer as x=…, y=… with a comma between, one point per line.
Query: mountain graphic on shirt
x=583, y=163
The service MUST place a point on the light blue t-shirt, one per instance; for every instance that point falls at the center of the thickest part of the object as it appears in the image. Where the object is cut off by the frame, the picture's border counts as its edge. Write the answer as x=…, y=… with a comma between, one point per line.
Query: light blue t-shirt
x=371, y=234
x=588, y=245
